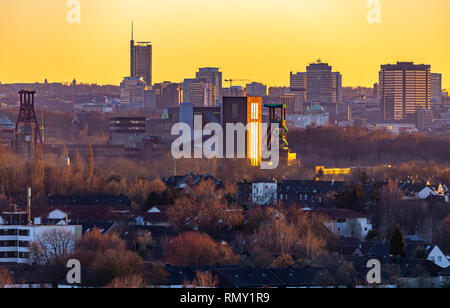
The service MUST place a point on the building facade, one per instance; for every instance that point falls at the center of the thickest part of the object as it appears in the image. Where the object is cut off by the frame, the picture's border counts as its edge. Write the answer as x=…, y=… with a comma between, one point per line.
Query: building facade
x=132, y=93
x=17, y=236
x=127, y=131
x=436, y=89
x=405, y=88
x=322, y=84
x=245, y=111
x=256, y=89
x=199, y=93
x=213, y=76
x=141, y=60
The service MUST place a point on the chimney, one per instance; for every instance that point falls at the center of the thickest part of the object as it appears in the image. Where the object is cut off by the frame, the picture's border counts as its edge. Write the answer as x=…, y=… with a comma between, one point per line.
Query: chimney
x=29, y=206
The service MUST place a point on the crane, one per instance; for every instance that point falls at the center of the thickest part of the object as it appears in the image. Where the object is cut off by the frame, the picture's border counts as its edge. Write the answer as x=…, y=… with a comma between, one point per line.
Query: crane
x=233, y=80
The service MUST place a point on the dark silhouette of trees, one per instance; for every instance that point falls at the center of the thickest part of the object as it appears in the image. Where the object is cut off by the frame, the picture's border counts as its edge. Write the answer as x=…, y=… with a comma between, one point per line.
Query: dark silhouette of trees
x=447, y=224
x=352, y=197
x=398, y=248
x=107, y=257
x=205, y=209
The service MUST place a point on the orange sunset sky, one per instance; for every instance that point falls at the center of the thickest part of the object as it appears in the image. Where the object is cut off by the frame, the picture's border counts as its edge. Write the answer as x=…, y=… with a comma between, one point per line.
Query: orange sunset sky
x=260, y=40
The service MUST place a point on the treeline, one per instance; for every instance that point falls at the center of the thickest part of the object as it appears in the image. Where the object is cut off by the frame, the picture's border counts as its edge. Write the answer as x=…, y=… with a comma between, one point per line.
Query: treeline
x=362, y=147
x=59, y=127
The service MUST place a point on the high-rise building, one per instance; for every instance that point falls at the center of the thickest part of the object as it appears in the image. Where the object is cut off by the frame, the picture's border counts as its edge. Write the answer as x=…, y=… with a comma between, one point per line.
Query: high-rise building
x=132, y=93
x=256, y=89
x=141, y=59
x=167, y=95
x=213, y=76
x=298, y=83
x=248, y=112
x=322, y=84
x=319, y=84
x=405, y=88
x=199, y=93
x=436, y=88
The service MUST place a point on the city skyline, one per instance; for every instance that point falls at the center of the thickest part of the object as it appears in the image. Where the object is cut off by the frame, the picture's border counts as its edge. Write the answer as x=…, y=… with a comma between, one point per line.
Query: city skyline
x=96, y=50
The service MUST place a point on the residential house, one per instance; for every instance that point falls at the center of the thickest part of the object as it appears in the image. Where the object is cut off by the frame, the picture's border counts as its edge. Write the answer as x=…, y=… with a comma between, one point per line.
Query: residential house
x=438, y=257
x=345, y=223
x=421, y=189
x=306, y=193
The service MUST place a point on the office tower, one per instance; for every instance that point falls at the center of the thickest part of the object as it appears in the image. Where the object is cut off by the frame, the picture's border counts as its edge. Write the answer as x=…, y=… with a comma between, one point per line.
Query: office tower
x=248, y=112
x=132, y=93
x=141, y=59
x=199, y=93
x=337, y=86
x=405, y=88
x=167, y=95
x=256, y=89
x=298, y=83
x=213, y=76
x=298, y=88
x=436, y=88
x=322, y=84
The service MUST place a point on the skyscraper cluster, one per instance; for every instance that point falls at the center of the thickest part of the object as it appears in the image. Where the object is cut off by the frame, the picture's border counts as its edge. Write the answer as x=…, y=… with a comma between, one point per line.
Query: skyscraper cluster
x=405, y=90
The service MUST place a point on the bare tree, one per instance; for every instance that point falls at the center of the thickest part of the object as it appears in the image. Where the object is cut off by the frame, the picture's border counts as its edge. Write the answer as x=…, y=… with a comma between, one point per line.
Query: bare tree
x=5, y=278
x=53, y=247
x=128, y=282
x=205, y=280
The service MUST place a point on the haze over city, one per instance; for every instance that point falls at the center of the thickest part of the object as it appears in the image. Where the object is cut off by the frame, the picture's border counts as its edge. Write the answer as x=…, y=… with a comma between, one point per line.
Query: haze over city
x=256, y=40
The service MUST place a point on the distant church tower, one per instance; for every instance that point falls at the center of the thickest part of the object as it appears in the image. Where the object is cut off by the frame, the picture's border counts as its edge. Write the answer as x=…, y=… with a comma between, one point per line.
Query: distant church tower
x=28, y=134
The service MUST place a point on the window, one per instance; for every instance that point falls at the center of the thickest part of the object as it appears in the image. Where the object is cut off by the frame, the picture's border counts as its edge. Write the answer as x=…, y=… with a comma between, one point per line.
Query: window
x=306, y=197
x=300, y=197
x=24, y=233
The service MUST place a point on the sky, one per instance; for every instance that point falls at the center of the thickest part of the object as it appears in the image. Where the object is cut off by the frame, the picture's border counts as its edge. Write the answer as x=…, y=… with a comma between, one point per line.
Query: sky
x=260, y=40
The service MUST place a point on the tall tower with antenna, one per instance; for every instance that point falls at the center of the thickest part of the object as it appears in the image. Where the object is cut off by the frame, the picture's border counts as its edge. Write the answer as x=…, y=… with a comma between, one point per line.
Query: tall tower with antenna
x=140, y=59
x=28, y=134
x=132, y=55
